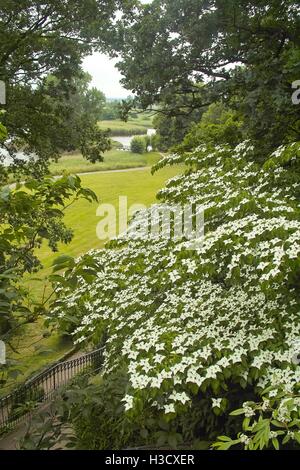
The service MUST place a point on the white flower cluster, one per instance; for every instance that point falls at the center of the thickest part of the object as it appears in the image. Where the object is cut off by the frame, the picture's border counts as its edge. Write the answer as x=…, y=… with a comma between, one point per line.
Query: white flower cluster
x=245, y=439
x=185, y=323
x=248, y=411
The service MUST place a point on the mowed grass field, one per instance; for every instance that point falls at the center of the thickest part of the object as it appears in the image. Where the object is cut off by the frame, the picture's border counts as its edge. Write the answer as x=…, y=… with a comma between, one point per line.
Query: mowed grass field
x=114, y=159
x=140, y=186
x=138, y=125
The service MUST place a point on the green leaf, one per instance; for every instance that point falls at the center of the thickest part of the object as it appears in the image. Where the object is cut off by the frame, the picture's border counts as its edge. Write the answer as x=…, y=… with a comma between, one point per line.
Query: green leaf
x=275, y=443
x=238, y=412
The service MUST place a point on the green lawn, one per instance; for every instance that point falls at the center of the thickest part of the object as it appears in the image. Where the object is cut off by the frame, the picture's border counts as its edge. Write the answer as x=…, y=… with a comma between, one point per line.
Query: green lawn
x=140, y=187
x=131, y=127
x=113, y=160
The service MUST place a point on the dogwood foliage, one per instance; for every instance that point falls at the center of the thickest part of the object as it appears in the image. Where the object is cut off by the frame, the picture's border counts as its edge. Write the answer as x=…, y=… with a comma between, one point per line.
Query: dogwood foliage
x=185, y=324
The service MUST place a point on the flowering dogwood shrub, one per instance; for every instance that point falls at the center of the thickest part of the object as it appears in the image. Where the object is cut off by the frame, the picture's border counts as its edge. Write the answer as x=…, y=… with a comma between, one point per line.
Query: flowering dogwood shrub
x=275, y=419
x=190, y=325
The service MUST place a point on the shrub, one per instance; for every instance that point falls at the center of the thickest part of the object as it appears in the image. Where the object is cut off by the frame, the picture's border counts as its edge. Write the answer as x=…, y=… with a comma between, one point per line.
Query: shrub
x=138, y=145
x=271, y=423
x=25, y=400
x=197, y=332
x=31, y=213
x=218, y=125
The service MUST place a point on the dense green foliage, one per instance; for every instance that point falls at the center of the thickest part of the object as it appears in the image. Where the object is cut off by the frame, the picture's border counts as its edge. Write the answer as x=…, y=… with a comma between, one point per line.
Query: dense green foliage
x=111, y=111
x=266, y=424
x=30, y=214
x=202, y=330
x=201, y=340
x=51, y=38
x=49, y=107
x=138, y=145
x=246, y=52
x=172, y=125
x=218, y=125
x=75, y=117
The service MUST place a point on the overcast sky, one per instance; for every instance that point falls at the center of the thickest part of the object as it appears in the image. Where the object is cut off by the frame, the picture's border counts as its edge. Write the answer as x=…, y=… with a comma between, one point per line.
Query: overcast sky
x=105, y=75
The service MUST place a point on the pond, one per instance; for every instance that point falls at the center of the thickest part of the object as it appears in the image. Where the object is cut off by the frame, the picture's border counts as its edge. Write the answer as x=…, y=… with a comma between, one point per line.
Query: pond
x=125, y=140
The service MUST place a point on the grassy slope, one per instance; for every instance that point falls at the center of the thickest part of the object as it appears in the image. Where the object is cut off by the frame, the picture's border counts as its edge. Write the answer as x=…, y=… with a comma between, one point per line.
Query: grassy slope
x=139, y=187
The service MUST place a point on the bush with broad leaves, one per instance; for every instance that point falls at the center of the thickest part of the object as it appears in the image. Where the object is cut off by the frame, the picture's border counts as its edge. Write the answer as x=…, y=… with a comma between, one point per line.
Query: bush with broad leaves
x=217, y=324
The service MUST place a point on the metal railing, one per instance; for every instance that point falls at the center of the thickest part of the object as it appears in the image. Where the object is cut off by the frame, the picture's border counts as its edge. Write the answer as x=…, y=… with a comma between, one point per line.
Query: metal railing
x=40, y=388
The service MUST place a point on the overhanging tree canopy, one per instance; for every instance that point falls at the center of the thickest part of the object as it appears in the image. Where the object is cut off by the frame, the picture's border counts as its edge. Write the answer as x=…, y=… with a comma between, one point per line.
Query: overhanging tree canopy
x=247, y=52
x=38, y=38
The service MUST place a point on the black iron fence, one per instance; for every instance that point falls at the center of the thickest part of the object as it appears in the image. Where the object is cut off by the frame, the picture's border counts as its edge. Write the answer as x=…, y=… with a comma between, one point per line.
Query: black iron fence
x=39, y=389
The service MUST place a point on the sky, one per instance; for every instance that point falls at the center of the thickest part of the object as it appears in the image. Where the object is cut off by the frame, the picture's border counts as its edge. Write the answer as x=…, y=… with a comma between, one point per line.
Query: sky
x=105, y=76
